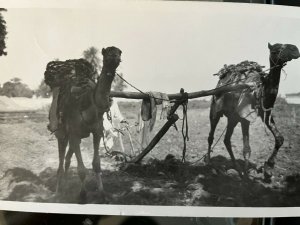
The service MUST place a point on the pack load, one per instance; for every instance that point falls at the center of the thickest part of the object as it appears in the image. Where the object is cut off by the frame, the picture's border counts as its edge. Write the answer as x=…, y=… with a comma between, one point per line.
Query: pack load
x=246, y=70
x=71, y=77
x=74, y=71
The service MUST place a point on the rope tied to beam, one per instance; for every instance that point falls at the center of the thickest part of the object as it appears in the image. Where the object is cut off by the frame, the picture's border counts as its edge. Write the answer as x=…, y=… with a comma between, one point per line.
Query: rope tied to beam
x=185, y=126
x=139, y=90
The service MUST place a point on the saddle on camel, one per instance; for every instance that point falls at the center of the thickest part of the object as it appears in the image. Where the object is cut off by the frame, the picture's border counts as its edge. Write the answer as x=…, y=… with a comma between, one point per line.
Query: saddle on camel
x=77, y=111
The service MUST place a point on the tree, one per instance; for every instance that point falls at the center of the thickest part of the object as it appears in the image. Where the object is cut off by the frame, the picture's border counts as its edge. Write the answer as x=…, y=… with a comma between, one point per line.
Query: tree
x=118, y=83
x=3, y=34
x=15, y=88
x=43, y=90
x=91, y=55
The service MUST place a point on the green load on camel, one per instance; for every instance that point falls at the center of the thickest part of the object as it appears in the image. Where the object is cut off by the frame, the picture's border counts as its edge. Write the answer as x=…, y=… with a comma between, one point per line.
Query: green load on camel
x=74, y=77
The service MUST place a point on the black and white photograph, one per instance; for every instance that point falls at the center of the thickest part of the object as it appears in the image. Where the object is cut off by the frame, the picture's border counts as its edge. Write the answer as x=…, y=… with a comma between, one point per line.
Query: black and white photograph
x=150, y=103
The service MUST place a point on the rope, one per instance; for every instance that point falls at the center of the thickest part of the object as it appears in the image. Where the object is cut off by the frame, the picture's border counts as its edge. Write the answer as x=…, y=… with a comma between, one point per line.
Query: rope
x=211, y=150
x=131, y=85
x=142, y=92
x=184, y=130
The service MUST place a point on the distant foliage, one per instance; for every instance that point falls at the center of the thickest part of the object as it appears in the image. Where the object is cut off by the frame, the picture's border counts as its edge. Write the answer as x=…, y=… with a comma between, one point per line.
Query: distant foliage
x=3, y=33
x=92, y=56
x=15, y=88
x=119, y=84
x=43, y=90
x=281, y=105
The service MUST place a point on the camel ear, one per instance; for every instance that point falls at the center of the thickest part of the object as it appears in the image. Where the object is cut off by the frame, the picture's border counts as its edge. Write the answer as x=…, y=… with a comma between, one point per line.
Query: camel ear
x=270, y=46
x=103, y=51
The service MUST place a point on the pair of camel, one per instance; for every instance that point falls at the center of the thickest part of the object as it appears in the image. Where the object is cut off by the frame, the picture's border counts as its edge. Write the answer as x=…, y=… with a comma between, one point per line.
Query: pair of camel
x=75, y=127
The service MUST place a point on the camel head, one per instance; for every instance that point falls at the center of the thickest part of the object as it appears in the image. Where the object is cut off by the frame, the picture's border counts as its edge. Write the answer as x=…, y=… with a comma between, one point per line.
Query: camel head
x=282, y=53
x=111, y=57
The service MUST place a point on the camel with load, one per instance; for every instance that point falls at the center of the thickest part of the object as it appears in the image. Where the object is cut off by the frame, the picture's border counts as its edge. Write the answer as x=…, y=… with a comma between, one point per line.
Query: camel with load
x=81, y=104
x=237, y=106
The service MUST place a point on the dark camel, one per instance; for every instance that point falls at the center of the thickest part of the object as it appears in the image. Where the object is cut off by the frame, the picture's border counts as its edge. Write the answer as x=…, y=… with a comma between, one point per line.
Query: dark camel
x=79, y=124
x=227, y=104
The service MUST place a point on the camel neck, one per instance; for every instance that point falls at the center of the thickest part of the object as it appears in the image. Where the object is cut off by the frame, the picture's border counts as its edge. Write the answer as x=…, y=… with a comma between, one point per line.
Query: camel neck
x=271, y=85
x=274, y=75
x=103, y=88
x=107, y=71
x=105, y=80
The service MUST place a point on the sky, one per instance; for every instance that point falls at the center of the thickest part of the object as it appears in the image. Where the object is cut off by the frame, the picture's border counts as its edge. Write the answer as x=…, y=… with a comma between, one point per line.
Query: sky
x=165, y=45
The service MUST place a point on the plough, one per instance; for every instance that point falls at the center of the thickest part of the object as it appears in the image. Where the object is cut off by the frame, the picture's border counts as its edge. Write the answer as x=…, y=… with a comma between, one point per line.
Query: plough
x=179, y=99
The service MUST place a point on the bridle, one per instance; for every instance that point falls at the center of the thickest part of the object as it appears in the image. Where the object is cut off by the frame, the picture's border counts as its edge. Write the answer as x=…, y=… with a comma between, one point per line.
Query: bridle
x=265, y=110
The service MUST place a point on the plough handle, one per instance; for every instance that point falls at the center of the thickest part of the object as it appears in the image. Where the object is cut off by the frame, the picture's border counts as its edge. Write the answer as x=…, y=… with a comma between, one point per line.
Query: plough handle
x=171, y=120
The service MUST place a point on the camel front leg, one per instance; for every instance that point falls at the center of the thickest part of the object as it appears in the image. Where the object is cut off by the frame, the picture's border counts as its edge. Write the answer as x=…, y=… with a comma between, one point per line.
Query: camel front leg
x=62, y=145
x=279, y=139
x=96, y=161
x=214, y=120
x=68, y=160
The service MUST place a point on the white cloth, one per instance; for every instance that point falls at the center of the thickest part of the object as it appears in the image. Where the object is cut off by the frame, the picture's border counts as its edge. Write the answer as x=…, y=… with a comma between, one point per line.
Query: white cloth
x=146, y=122
x=109, y=126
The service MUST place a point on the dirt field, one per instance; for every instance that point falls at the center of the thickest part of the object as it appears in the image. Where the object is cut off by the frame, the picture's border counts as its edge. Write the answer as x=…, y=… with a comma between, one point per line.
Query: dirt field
x=29, y=160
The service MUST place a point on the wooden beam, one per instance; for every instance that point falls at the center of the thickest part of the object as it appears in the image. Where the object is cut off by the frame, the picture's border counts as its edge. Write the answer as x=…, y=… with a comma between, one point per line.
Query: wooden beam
x=191, y=95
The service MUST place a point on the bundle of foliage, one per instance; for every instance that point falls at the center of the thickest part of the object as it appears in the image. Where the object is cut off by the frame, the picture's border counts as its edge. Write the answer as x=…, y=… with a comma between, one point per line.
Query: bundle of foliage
x=241, y=71
x=62, y=73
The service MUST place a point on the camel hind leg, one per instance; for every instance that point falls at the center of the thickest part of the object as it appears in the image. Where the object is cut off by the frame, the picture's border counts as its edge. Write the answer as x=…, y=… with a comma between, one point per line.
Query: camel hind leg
x=96, y=160
x=232, y=122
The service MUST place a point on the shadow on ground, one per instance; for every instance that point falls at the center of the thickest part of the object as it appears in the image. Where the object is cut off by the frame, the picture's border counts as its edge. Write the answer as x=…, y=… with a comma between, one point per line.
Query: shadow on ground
x=166, y=182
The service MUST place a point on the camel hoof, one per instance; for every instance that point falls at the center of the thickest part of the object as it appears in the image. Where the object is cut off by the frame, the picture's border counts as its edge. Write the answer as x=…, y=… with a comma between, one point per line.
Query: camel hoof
x=242, y=175
x=97, y=197
x=102, y=197
x=82, y=197
x=59, y=189
x=268, y=174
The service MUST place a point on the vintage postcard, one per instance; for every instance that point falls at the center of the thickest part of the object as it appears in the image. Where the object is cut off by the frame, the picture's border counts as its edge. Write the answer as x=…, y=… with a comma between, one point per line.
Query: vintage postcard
x=150, y=108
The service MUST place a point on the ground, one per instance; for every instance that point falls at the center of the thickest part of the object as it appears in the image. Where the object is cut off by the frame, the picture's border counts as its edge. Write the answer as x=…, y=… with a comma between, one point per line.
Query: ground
x=29, y=160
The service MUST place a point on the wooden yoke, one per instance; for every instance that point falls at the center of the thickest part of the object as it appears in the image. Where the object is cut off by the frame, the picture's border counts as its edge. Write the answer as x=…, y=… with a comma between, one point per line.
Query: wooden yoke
x=178, y=96
x=178, y=99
